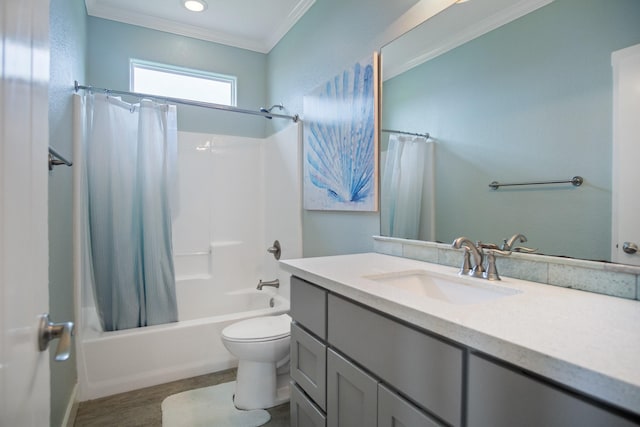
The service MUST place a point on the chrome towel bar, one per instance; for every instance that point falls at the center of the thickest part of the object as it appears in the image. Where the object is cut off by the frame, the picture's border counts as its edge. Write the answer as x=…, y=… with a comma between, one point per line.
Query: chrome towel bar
x=576, y=181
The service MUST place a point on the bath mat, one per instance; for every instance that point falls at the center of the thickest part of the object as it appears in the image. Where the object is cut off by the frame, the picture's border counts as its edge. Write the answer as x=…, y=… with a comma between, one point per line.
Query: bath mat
x=209, y=406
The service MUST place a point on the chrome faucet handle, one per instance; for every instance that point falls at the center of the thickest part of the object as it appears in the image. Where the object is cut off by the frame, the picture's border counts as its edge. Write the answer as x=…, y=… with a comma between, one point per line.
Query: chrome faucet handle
x=276, y=250
x=524, y=250
x=466, y=263
x=492, y=270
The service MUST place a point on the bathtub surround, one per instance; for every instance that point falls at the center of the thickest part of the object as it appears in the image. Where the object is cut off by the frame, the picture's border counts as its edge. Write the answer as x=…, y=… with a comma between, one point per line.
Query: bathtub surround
x=120, y=361
x=209, y=406
x=236, y=196
x=605, y=278
x=130, y=171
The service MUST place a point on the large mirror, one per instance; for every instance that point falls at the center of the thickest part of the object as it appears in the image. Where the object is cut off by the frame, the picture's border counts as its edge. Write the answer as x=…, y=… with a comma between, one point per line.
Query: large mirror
x=524, y=101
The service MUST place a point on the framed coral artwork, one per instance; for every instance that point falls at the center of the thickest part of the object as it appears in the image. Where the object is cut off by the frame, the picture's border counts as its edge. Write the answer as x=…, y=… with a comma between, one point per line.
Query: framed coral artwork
x=341, y=141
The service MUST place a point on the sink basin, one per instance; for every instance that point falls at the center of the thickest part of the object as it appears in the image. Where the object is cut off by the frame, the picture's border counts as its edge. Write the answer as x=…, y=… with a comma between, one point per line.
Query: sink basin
x=451, y=289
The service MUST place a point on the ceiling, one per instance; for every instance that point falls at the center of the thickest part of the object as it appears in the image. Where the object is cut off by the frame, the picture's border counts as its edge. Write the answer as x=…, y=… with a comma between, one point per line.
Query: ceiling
x=256, y=25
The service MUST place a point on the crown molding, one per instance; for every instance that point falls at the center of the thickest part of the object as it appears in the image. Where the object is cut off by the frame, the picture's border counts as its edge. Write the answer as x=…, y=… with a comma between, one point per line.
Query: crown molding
x=94, y=8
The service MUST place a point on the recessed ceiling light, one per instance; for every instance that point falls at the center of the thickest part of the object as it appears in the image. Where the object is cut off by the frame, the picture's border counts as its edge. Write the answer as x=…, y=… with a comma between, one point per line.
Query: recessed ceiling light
x=194, y=5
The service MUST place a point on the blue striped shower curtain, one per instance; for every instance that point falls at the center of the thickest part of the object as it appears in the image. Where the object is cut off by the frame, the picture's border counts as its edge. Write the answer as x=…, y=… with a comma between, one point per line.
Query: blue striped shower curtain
x=130, y=179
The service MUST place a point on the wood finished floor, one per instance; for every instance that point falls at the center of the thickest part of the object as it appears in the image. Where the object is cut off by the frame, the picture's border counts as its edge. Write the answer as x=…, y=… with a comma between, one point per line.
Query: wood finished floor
x=142, y=407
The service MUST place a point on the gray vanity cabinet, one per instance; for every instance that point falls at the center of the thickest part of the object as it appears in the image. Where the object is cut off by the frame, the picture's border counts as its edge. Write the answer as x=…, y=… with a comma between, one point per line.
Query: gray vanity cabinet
x=394, y=411
x=308, y=354
x=309, y=307
x=352, y=394
x=354, y=366
x=502, y=397
x=303, y=412
x=424, y=368
x=344, y=357
x=308, y=364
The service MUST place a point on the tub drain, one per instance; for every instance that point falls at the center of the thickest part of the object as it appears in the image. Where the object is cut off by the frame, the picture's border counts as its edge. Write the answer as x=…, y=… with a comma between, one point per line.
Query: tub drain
x=272, y=302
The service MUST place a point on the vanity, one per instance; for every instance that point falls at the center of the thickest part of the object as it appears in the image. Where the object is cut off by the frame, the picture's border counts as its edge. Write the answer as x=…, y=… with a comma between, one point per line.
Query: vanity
x=379, y=340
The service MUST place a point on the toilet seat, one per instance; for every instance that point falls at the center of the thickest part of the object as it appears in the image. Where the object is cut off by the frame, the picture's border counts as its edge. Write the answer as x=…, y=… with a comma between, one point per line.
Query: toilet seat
x=267, y=328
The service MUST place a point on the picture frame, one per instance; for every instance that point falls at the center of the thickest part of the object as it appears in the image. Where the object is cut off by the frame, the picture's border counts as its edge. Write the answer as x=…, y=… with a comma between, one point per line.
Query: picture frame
x=340, y=148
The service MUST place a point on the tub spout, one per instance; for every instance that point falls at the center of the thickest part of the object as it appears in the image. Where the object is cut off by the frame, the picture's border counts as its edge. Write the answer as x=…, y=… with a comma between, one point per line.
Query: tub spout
x=274, y=283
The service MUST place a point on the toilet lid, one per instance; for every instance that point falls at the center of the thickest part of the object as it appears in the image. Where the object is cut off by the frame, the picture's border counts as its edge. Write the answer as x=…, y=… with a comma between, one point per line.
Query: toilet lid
x=264, y=328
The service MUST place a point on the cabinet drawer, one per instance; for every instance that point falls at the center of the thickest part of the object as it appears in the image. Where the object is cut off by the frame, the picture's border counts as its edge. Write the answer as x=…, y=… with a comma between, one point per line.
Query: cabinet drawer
x=309, y=306
x=303, y=412
x=309, y=364
x=352, y=394
x=426, y=369
x=500, y=397
x=394, y=411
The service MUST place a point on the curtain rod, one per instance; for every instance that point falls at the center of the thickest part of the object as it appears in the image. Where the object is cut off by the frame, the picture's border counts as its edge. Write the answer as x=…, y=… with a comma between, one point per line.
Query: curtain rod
x=213, y=106
x=426, y=135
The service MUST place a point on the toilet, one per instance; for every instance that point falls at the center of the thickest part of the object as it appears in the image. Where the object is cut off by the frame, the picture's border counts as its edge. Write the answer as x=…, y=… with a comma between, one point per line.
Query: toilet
x=261, y=345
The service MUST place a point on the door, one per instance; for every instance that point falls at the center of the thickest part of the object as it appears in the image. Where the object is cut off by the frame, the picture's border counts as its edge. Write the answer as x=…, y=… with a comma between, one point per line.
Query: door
x=626, y=152
x=24, y=73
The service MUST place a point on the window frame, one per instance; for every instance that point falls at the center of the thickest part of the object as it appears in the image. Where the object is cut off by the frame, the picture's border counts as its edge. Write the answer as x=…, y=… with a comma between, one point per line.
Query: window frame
x=183, y=71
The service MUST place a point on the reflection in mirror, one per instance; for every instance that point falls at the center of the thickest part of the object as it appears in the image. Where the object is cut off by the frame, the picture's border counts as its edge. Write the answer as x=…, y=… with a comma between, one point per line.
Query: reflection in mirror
x=528, y=101
x=408, y=186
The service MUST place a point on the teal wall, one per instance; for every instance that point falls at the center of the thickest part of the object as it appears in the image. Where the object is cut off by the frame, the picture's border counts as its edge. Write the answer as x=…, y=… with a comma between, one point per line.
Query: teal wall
x=330, y=37
x=111, y=44
x=529, y=101
x=67, y=26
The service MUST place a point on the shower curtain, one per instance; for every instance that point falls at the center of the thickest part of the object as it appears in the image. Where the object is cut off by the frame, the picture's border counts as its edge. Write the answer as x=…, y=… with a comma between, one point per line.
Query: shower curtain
x=402, y=186
x=130, y=180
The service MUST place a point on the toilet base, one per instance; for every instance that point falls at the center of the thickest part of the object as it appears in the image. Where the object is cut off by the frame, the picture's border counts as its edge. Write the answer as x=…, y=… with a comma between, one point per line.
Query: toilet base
x=258, y=387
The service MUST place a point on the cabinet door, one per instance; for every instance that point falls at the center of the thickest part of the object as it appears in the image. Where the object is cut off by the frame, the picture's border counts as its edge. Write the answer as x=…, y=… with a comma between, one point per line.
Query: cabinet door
x=309, y=364
x=424, y=368
x=352, y=394
x=303, y=412
x=501, y=397
x=394, y=411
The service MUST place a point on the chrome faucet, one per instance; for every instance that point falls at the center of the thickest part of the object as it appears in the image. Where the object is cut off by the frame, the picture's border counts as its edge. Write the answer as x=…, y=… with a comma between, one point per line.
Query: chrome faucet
x=507, y=244
x=492, y=250
x=275, y=283
x=478, y=256
x=477, y=249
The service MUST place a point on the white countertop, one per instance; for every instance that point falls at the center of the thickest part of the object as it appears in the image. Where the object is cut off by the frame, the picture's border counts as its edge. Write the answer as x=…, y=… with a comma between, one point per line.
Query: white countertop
x=586, y=341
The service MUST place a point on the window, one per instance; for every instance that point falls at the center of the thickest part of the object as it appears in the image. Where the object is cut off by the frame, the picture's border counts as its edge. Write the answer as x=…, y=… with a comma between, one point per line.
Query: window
x=176, y=82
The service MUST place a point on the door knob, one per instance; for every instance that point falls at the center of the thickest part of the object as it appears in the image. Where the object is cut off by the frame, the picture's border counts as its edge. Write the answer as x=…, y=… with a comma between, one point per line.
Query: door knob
x=48, y=331
x=629, y=247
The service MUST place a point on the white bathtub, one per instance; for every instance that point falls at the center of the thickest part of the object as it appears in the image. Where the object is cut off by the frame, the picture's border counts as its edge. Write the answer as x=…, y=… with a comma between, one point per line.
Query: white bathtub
x=115, y=362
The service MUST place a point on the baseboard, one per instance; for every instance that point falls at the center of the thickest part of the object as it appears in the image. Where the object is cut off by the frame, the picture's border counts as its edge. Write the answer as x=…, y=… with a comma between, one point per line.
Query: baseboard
x=72, y=409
